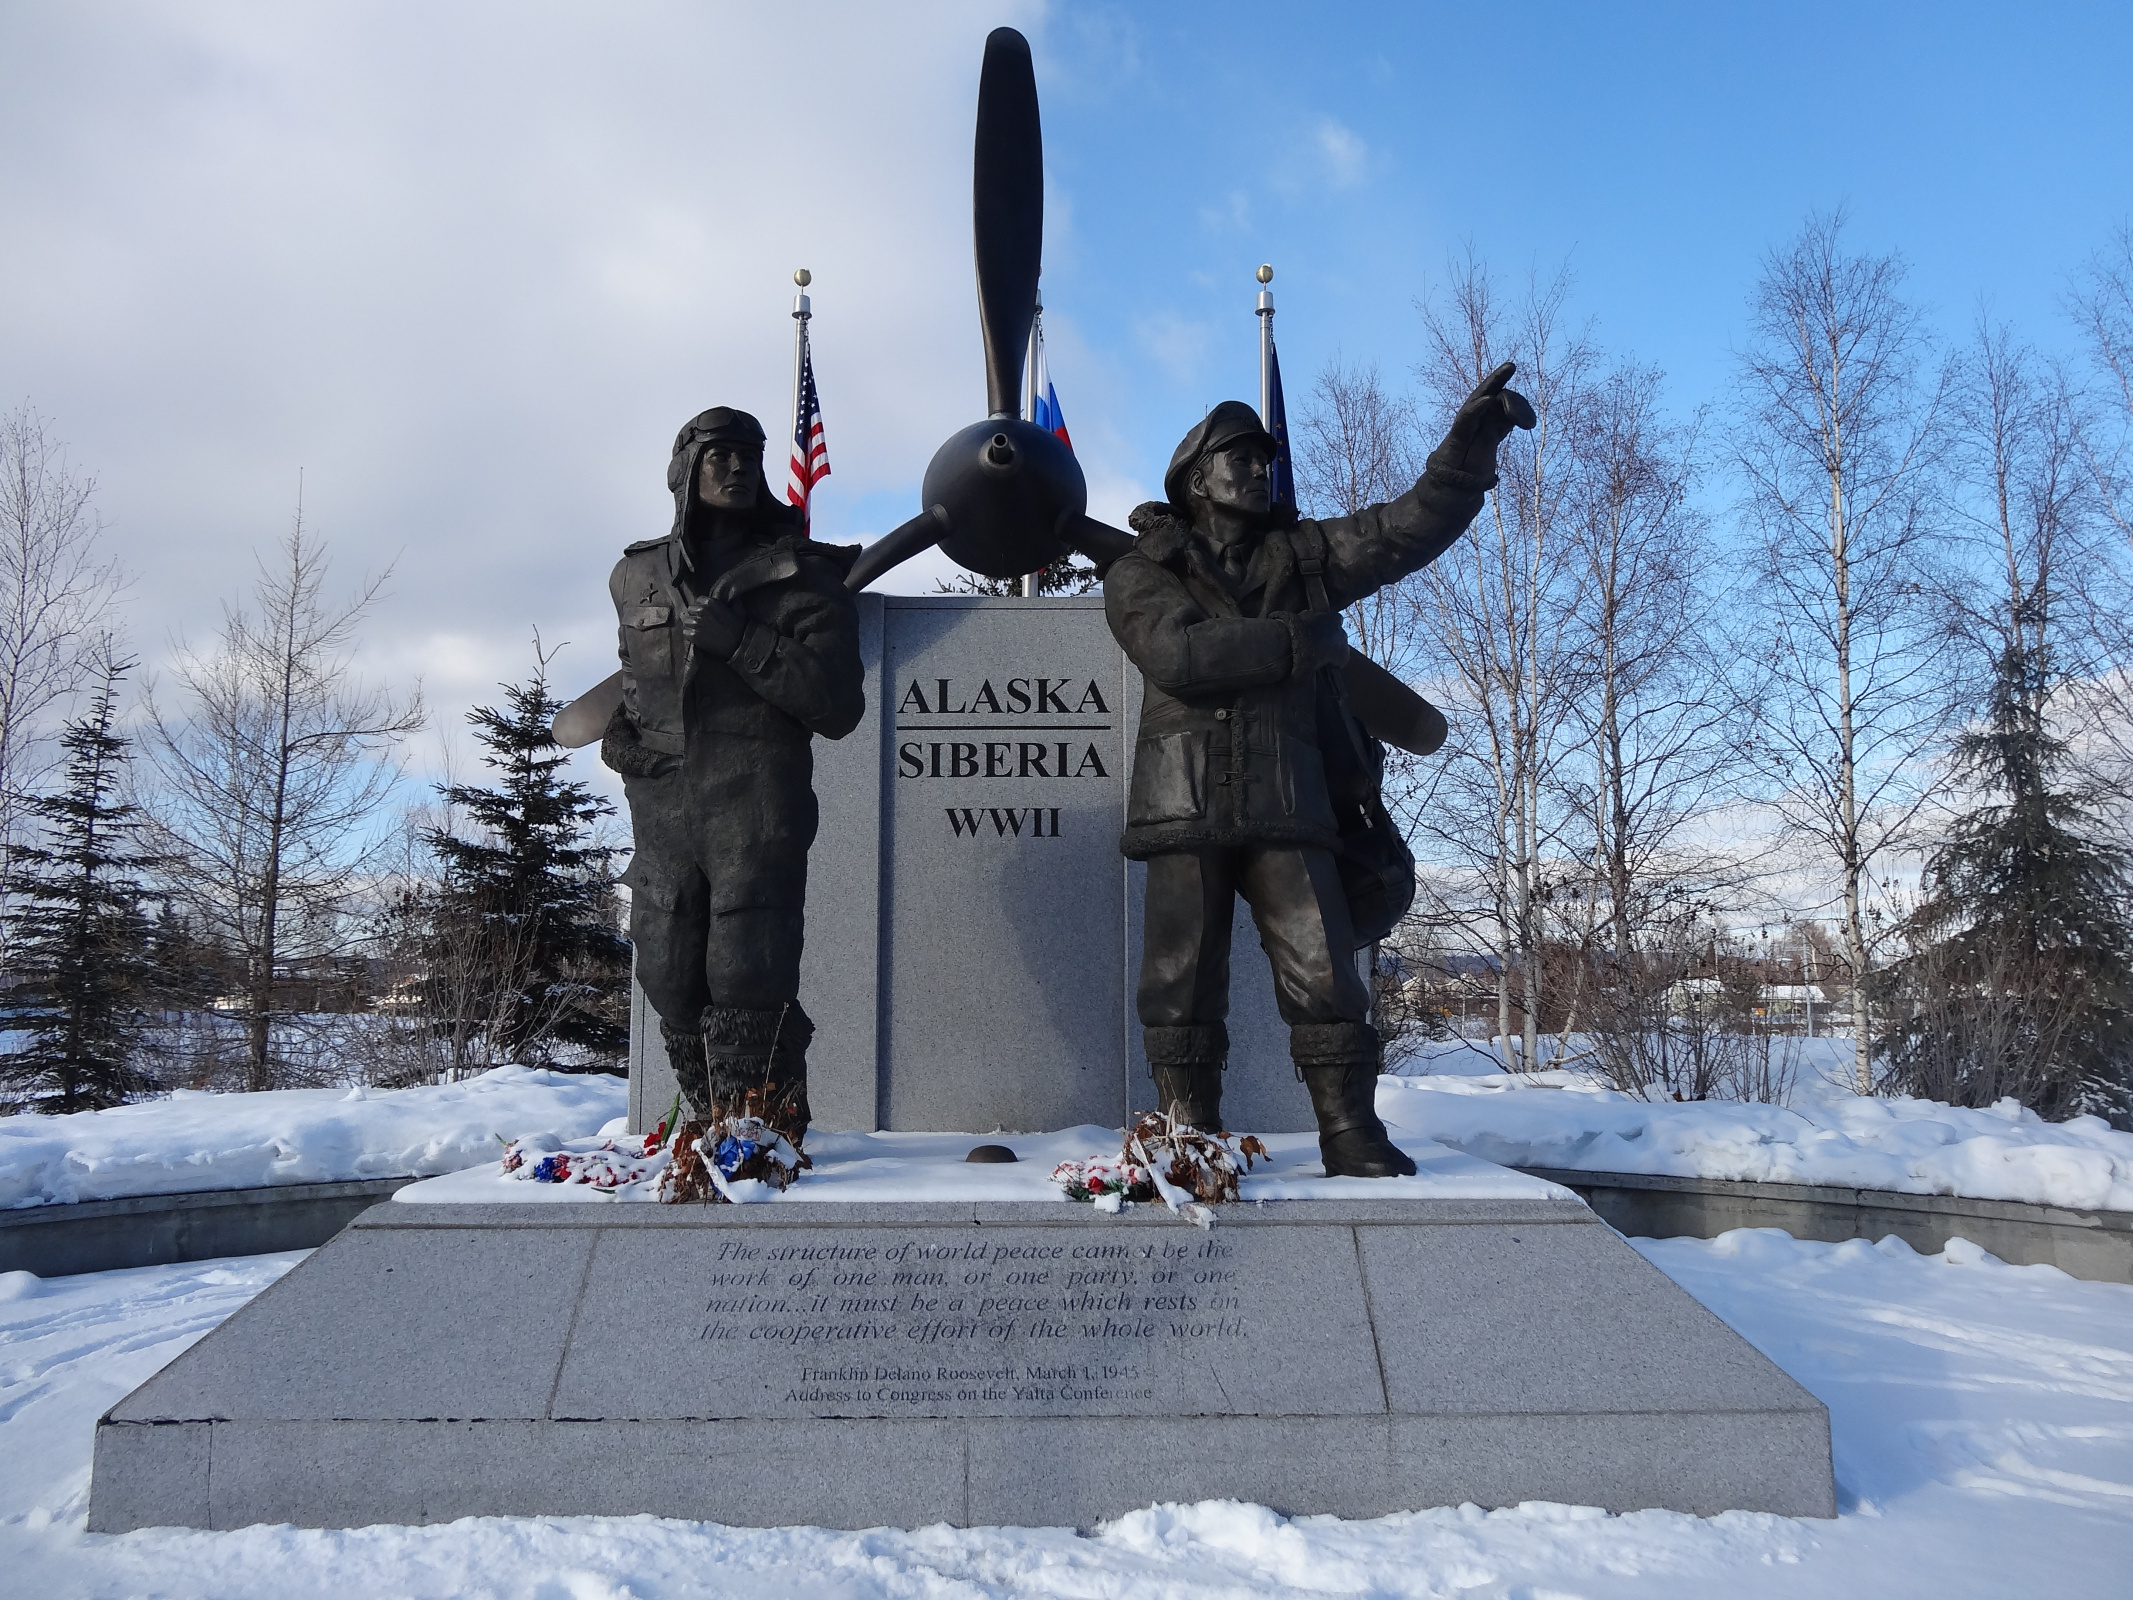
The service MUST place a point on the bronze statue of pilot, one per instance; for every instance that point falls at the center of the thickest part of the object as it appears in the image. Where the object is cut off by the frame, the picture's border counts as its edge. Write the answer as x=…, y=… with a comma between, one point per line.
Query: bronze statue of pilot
x=1230, y=607
x=739, y=644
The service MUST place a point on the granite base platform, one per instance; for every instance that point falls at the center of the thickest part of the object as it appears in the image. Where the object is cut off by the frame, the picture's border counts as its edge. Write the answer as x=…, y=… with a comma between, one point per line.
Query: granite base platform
x=990, y=1363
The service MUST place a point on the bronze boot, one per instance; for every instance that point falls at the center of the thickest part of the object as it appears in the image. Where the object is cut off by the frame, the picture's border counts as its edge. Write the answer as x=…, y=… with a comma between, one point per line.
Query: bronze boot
x=789, y=1112
x=685, y=1054
x=1187, y=1064
x=1338, y=1062
x=737, y=1046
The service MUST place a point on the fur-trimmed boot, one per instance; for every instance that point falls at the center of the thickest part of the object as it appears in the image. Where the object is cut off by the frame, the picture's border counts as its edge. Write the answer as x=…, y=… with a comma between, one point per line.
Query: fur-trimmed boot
x=788, y=1074
x=762, y=1053
x=1187, y=1064
x=1338, y=1062
x=685, y=1054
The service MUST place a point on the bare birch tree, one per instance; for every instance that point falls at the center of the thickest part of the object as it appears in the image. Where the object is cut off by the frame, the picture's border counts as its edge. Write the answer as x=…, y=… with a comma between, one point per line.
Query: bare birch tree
x=1357, y=446
x=1651, y=709
x=272, y=775
x=2102, y=308
x=1498, y=605
x=55, y=589
x=2028, y=503
x=2099, y=585
x=1837, y=441
x=1649, y=714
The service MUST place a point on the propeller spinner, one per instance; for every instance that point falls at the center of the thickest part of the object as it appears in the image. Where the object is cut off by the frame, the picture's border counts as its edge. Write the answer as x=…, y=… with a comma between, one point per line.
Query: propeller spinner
x=1003, y=497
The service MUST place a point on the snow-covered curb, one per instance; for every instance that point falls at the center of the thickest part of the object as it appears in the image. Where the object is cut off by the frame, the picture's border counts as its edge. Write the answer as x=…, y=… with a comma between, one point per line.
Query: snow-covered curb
x=190, y=1142
x=1558, y=1119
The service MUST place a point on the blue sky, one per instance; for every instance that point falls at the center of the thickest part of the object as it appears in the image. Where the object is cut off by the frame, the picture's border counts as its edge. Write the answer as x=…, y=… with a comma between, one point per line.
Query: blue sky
x=1657, y=150
x=468, y=266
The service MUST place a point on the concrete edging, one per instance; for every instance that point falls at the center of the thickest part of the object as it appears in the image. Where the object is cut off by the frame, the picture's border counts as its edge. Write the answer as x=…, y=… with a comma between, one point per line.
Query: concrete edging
x=155, y=1230
x=2097, y=1245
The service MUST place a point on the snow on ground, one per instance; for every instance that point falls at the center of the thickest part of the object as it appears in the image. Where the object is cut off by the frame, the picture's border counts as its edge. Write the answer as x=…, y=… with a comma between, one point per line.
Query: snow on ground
x=1983, y=1420
x=1827, y=1135
x=1461, y=1112
x=930, y=1166
x=193, y=1141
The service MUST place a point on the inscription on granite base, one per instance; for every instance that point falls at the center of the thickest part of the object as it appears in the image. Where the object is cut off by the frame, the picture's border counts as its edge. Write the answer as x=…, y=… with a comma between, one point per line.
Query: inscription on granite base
x=986, y=1322
x=1022, y=1325
x=858, y=1365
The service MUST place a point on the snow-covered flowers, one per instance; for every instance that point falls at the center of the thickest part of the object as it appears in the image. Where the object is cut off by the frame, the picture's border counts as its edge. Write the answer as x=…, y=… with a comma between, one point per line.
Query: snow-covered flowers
x=735, y=1157
x=1106, y=1182
x=607, y=1165
x=1163, y=1159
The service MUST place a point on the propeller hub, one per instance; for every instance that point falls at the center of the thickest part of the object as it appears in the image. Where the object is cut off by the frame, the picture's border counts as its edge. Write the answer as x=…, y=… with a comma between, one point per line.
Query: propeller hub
x=1006, y=486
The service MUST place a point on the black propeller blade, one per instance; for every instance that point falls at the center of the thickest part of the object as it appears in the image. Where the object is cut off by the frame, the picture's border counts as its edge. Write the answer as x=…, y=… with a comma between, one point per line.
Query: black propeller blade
x=1007, y=213
x=1003, y=497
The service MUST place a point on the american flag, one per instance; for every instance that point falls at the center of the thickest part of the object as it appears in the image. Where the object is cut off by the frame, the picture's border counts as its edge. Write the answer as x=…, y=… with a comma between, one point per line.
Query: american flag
x=810, y=462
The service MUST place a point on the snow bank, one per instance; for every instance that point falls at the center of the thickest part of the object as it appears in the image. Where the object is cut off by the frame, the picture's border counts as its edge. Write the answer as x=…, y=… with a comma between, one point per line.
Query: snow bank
x=1452, y=1122
x=192, y=1141
x=1561, y=1119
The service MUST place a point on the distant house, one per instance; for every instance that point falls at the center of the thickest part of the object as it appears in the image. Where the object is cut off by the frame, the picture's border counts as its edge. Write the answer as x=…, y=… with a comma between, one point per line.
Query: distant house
x=1694, y=996
x=1793, y=1002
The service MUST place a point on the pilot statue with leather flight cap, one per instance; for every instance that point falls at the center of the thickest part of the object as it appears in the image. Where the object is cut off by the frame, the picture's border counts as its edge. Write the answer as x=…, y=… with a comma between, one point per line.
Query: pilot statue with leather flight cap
x=739, y=644
x=1250, y=775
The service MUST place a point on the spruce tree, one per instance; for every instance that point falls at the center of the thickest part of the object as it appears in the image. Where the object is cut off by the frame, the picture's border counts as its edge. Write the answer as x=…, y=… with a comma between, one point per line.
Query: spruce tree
x=2019, y=976
x=523, y=934
x=82, y=978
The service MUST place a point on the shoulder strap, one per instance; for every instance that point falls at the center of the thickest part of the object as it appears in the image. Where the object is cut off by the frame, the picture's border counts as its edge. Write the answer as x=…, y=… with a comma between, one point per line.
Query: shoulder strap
x=1309, y=543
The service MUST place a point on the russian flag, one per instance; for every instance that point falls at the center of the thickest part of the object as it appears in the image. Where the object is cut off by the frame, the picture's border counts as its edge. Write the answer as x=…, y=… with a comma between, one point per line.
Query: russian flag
x=1044, y=408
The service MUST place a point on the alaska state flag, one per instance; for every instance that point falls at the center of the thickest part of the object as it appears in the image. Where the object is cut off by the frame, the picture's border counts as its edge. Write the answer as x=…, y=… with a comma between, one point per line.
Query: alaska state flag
x=1044, y=409
x=1281, y=480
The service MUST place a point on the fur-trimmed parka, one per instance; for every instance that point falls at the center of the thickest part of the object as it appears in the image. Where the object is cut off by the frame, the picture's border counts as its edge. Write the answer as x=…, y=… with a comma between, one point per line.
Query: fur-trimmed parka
x=1227, y=753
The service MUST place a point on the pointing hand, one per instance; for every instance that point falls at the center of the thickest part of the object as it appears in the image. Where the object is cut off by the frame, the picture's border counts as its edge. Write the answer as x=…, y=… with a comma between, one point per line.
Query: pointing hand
x=1484, y=421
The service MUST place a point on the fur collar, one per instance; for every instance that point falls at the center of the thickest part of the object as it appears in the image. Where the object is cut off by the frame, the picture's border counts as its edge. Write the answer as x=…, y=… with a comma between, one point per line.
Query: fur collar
x=1165, y=534
x=1167, y=539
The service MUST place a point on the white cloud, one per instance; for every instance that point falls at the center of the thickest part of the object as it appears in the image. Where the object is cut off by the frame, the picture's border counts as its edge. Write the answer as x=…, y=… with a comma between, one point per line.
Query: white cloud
x=1177, y=343
x=1342, y=151
x=469, y=268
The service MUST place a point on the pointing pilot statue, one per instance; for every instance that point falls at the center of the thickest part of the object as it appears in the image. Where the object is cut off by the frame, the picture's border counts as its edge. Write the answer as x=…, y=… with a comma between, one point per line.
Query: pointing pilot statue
x=1251, y=775
x=739, y=645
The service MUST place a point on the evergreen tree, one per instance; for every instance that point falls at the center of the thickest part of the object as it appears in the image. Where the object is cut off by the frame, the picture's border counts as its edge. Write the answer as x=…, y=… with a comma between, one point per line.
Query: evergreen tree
x=1063, y=575
x=523, y=935
x=2019, y=976
x=82, y=980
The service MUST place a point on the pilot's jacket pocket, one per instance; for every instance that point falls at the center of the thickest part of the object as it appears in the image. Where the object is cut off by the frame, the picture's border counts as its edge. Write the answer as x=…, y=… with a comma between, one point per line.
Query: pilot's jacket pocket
x=1169, y=779
x=649, y=630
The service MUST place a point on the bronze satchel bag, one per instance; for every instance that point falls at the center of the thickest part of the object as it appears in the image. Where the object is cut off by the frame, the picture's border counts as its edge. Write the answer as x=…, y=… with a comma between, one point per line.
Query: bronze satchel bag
x=1377, y=868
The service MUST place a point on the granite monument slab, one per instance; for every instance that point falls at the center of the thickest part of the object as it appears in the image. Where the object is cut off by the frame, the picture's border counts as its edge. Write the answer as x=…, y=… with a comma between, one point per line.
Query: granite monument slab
x=973, y=1363
x=973, y=934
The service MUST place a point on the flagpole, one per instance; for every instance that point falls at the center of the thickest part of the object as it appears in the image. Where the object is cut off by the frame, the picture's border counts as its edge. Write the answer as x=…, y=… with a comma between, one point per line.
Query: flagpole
x=1029, y=363
x=1029, y=407
x=1266, y=346
x=1368, y=964
x=803, y=309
